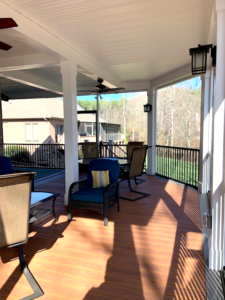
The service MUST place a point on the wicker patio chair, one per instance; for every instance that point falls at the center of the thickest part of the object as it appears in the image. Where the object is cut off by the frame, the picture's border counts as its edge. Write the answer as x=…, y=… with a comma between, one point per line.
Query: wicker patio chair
x=90, y=150
x=15, y=194
x=82, y=195
x=135, y=169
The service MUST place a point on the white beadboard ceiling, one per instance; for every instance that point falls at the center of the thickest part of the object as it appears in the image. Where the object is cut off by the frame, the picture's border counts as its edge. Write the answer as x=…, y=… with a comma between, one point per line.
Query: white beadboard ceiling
x=134, y=40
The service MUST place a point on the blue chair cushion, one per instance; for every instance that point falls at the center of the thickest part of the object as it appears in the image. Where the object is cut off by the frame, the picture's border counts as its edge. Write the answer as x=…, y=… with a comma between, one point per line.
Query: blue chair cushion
x=5, y=165
x=89, y=195
x=102, y=164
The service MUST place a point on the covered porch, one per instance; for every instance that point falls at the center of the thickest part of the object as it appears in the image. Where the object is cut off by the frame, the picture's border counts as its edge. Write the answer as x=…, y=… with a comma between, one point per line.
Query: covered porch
x=152, y=249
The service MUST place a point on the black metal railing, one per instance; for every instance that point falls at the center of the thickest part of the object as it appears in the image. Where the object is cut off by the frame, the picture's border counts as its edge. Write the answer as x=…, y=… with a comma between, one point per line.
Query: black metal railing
x=113, y=150
x=180, y=164
x=46, y=156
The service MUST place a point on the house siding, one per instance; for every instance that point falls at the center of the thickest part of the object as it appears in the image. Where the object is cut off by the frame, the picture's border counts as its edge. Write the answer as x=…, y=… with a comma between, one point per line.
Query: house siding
x=14, y=131
x=52, y=125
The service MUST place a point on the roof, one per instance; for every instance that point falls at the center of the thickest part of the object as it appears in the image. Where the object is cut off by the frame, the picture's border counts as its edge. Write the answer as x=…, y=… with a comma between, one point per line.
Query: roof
x=50, y=108
x=147, y=40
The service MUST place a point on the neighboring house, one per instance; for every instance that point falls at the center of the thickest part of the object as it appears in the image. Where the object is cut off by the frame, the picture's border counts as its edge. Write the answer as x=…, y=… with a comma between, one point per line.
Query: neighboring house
x=41, y=121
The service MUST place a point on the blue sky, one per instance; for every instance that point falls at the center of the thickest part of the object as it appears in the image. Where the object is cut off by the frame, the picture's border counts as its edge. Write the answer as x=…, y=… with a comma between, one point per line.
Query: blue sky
x=195, y=83
x=111, y=96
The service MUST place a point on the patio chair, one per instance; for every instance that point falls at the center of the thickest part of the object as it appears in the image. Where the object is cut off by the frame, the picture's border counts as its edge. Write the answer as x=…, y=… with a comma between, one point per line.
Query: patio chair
x=90, y=150
x=130, y=146
x=15, y=194
x=135, y=169
x=83, y=195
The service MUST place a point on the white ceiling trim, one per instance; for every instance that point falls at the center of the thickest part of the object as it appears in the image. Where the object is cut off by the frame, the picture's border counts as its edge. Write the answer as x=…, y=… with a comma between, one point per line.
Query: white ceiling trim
x=27, y=62
x=45, y=42
x=33, y=81
x=172, y=77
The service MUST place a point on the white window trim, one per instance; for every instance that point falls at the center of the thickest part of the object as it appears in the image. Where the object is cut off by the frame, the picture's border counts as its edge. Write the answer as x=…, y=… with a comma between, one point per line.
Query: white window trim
x=32, y=140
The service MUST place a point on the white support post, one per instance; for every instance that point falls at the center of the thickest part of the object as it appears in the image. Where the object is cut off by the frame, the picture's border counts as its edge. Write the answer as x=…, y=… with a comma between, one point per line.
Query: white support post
x=210, y=128
x=151, y=170
x=216, y=256
x=69, y=80
x=204, y=173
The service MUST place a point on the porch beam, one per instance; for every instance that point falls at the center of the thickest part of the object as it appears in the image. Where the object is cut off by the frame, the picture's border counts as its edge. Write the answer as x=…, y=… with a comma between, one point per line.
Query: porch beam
x=217, y=249
x=34, y=81
x=69, y=79
x=26, y=62
x=45, y=42
x=170, y=78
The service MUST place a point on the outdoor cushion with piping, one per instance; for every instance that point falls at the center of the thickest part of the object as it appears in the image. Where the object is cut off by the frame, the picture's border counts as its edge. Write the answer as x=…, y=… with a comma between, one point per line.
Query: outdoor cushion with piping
x=102, y=164
x=89, y=195
x=5, y=165
x=100, y=178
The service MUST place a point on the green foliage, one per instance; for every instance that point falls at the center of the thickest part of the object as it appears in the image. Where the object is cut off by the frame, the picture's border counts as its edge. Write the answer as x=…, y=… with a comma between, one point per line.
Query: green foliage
x=126, y=111
x=87, y=105
x=17, y=153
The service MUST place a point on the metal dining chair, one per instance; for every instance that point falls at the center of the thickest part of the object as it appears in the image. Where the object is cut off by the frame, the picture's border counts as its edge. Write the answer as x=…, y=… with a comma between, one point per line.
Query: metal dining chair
x=15, y=194
x=135, y=169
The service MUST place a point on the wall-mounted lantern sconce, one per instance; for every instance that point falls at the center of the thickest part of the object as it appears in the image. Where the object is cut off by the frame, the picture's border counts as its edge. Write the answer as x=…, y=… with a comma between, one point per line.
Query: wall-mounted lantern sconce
x=147, y=107
x=199, y=58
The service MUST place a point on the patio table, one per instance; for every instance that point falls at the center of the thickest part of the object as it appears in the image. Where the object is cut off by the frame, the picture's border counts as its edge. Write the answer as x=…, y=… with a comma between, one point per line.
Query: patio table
x=121, y=161
x=38, y=198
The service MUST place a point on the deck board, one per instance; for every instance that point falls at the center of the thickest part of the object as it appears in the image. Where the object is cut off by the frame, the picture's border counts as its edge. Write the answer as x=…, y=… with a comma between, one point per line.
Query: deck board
x=152, y=249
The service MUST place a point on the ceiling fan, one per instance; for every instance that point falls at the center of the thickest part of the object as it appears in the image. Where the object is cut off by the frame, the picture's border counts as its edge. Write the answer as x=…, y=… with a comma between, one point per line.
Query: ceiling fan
x=6, y=23
x=100, y=88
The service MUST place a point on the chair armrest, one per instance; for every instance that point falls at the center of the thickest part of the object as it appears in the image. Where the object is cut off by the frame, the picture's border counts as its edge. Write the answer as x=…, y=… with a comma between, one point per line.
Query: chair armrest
x=77, y=186
x=111, y=187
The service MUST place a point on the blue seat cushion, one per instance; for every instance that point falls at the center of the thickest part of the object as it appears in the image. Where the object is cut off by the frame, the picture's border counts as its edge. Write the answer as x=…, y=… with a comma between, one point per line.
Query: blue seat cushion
x=89, y=195
x=5, y=165
x=103, y=164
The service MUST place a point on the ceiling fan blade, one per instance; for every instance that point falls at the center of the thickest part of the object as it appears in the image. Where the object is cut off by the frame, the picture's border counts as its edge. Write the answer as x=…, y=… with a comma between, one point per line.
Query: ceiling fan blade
x=4, y=46
x=7, y=23
x=4, y=97
x=114, y=89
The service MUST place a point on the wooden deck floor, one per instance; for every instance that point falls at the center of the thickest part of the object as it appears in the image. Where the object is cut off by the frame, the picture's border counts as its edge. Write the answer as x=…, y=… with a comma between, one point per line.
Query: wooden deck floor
x=152, y=249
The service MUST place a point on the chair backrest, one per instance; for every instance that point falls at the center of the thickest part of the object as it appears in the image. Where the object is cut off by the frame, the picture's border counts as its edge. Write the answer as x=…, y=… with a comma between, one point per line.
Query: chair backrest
x=90, y=150
x=103, y=164
x=131, y=145
x=5, y=165
x=15, y=193
x=137, y=161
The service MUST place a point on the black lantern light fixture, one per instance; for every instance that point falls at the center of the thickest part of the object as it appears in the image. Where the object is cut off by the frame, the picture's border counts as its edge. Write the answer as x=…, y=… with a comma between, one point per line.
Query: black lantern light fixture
x=147, y=107
x=199, y=58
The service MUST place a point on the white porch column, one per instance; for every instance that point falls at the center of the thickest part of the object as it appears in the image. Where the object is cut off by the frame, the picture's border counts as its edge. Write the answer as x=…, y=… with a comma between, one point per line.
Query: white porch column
x=216, y=257
x=204, y=173
x=151, y=170
x=69, y=80
x=211, y=99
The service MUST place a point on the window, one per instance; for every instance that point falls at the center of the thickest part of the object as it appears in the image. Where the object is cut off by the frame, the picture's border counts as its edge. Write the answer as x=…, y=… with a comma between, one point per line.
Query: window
x=58, y=132
x=32, y=132
x=89, y=128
